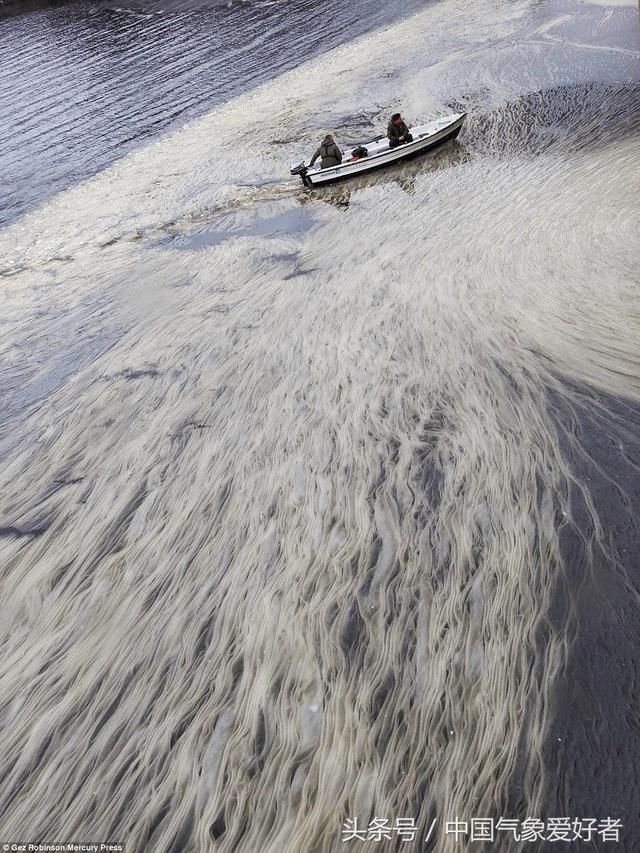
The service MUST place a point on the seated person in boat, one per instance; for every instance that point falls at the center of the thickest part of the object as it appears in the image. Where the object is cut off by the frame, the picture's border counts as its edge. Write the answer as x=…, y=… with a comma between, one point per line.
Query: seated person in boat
x=397, y=131
x=329, y=153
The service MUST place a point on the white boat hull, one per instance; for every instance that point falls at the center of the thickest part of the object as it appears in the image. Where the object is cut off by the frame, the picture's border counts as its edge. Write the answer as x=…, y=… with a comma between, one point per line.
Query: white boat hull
x=425, y=137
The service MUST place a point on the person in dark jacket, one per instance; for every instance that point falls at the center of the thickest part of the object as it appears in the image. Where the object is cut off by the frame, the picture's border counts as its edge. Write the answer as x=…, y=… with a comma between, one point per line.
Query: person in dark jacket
x=397, y=131
x=329, y=153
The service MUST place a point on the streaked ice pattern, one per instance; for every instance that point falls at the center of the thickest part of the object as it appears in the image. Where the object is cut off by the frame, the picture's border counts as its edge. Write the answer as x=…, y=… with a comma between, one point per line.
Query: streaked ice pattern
x=306, y=498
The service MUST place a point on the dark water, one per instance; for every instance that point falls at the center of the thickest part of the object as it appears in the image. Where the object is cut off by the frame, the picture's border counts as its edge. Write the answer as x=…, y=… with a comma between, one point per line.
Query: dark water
x=82, y=84
x=597, y=696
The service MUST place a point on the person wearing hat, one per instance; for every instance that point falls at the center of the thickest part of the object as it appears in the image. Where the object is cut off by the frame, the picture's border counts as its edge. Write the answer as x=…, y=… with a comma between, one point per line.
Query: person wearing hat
x=329, y=153
x=397, y=131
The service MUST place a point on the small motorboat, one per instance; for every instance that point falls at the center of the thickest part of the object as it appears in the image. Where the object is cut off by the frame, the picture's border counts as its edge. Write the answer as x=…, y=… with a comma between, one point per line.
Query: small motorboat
x=378, y=153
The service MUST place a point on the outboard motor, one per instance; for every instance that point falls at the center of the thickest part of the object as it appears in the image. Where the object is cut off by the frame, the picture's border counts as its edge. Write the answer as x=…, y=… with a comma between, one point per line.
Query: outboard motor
x=301, y=169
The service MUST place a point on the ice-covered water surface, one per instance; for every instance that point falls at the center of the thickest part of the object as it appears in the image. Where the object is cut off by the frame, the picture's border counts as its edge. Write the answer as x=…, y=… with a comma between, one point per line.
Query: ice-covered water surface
x=306, y=499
